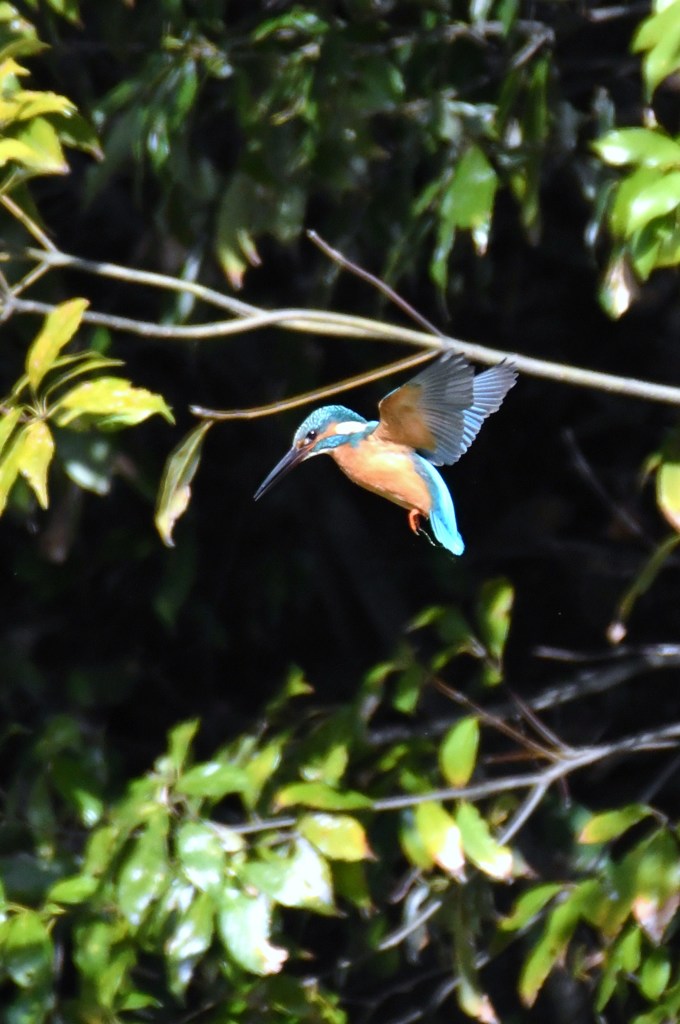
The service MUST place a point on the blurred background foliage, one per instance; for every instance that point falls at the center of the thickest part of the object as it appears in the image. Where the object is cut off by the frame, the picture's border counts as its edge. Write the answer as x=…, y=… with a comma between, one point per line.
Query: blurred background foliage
x=512, y=168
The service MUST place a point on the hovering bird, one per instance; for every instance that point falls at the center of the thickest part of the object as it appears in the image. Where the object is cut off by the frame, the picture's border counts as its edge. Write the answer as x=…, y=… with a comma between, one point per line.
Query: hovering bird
x=430, y=421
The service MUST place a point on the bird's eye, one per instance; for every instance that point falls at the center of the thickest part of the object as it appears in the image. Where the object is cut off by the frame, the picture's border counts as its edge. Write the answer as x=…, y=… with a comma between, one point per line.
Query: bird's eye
x=311, y=436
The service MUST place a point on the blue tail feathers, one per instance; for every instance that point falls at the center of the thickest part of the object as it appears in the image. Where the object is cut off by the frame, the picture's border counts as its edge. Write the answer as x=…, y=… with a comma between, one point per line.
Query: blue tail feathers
x=444, y=528
x=442, y=515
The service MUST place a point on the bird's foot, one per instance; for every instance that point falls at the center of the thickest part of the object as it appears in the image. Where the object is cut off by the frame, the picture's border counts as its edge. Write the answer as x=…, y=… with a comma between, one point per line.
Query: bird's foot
x=414, y=521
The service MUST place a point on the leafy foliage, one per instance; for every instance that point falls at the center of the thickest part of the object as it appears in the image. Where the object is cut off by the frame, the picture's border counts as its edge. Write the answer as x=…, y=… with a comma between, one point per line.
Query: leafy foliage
x=46, y=398
x=301, y=854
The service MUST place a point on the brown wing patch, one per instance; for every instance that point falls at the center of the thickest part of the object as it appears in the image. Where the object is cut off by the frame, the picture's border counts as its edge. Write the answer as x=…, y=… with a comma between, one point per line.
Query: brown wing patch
x=401, y=419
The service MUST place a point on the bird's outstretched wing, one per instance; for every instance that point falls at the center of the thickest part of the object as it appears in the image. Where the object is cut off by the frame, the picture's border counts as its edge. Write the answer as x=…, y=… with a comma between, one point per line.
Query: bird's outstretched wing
x=440, y=411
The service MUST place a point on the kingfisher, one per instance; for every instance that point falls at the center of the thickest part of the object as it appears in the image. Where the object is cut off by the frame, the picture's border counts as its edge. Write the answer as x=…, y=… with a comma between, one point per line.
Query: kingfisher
x=429, y=421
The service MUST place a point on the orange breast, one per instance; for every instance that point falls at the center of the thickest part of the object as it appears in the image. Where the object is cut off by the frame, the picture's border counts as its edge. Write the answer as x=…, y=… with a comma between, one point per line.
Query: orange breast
x=386, y=469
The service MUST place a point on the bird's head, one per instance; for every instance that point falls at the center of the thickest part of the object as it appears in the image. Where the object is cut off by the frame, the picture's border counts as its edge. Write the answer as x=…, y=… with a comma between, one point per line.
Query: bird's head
x=322, y=431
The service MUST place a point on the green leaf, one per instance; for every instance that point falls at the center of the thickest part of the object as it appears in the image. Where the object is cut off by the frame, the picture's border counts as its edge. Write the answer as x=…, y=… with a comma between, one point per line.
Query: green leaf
x=144, y=872
x=190, y=939
x=259, y=769
x=440, y=837
x=111, y=402
x=7, y=424
x=337, y=836
x=73, y=890
x=234, y=244
x=300, y=879
x=9, y=466
x=553, y=943
x=103, y=955
x=668, y=480
x=472, y=195
x=621, y=957
x=174, y=492
x=321, y=796
x=646, y=146
x=611, y=824
x=351, y=884
x=201, y=855
x=659, y=35
x=73, y=130
x=626, y=194
x=26, y=949
x=458, y=751
x=479, y=845
x=34, y=145
x=654, y=200
x=212, y=780
x=529, y=905
x=244, y=925
x=473, y=1001
x=34, y=458
x=655, y=974
x=180, y=739
x=26, y=104
x=494, y=611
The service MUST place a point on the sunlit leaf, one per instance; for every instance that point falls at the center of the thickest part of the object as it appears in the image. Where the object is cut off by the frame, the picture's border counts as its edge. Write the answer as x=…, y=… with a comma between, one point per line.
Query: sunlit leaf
x=174, y=492
x=57, y=330
x=479, y=845
x=654, y=200
x=34, y=145
x=618, y=288
x=144, y=872
x=320, y=796
x=73, y=890
x=34, y=458
x=244, y=925
x=299, y=879
x=9, y=465
x=260, y=767
x=26, y=104
x=111, y=402
x=190, y=939
x=609, y=825
x=337, y=836
x=458, y=751
x=201, y=855
x=646, y=146
x=212, y=780
x=8, y=422
x=659, y=35
x=440, y=837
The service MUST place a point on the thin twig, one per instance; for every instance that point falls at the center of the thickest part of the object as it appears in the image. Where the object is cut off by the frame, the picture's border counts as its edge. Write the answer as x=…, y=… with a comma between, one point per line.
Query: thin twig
x=317, y=395
x=375, y=282
x=396, y=937
x=667, y=737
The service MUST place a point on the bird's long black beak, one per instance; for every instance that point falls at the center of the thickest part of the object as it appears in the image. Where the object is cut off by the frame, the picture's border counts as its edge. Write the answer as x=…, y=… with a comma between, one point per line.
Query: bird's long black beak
x=289, y=461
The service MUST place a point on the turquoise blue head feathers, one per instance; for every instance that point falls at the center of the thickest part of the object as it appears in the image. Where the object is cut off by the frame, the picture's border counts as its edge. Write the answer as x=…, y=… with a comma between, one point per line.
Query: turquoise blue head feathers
x=430, y=421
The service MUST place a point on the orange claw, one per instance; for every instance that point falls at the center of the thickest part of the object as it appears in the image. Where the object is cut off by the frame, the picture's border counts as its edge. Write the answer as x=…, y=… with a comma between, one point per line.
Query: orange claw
x=414, y=518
